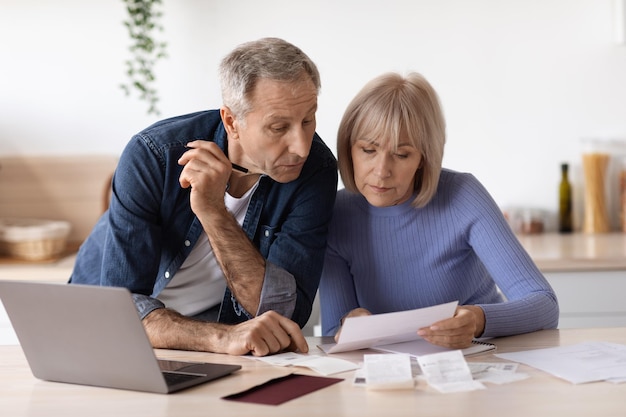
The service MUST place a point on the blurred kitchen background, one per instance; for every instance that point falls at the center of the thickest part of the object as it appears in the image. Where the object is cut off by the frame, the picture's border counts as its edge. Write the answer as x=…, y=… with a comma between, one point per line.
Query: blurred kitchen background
x=523, y=82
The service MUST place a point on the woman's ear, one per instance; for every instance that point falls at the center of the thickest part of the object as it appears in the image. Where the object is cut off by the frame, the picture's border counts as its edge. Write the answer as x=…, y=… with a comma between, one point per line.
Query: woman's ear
x=421, y=165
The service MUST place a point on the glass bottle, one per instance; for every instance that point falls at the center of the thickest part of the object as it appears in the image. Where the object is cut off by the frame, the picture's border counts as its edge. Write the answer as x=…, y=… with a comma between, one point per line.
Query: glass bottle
x=622, y=187
x=595, y=165
x=565, y=201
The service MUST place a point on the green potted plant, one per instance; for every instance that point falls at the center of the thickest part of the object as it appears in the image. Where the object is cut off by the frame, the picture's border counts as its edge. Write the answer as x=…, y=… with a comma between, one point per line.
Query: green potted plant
x=142, y=22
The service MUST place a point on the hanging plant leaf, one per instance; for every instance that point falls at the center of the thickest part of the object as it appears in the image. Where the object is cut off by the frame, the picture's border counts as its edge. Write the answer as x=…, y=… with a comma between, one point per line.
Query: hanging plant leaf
x=141, y=23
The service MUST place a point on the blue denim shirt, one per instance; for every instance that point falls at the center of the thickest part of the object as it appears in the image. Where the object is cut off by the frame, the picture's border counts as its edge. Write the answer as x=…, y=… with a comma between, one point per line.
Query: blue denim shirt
x=149, y=229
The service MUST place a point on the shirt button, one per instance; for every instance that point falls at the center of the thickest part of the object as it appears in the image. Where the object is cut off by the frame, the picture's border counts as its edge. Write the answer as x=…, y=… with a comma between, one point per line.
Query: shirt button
x=167, y=274
x=187, y=243
x=267, y=233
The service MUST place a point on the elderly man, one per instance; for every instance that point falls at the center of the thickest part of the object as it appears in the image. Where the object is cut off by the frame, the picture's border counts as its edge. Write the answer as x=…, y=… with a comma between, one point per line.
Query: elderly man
x=218, y=219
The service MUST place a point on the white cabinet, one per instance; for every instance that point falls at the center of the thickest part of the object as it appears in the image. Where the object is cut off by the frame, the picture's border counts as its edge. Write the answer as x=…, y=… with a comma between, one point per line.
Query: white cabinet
x=590, y=298
x=588, y=274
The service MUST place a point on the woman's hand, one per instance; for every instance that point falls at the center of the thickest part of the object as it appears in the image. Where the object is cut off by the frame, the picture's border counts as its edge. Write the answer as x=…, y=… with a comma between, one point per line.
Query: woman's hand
x=354, y=313
x=456, y=332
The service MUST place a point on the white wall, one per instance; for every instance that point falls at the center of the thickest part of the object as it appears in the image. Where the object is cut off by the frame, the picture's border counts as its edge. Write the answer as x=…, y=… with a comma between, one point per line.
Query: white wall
x=521, y=81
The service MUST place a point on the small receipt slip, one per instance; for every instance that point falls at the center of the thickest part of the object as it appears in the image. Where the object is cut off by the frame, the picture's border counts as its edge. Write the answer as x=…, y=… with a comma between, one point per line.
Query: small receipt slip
x=279, y=390
x=384, y=371
x=448, y=372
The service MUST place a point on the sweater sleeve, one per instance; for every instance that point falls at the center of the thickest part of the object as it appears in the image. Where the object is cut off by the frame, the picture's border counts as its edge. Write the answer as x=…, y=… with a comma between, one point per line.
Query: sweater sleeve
x=337, y=289
x=337, y=292
x=531, y=303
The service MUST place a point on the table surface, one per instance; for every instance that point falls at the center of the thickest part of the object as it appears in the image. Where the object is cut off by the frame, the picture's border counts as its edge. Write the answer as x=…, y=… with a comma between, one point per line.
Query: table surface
x=540, y=395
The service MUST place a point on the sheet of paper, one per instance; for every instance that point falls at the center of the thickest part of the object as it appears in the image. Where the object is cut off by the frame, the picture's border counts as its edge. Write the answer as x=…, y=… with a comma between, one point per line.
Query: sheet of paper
x=322, y=364
x=385, y=372
x=579, y=363
x=448, y=372
x=382, y=329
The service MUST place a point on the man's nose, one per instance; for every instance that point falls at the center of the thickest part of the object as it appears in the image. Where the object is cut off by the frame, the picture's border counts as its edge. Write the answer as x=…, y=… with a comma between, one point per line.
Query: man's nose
x=300, y=144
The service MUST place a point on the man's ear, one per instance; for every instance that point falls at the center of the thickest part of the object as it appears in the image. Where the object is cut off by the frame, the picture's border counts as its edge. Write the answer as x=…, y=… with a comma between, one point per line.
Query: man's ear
x=229, y=121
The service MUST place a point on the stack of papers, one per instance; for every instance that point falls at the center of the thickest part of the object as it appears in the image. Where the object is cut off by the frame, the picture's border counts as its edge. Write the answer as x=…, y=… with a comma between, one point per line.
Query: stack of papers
x=580, y=363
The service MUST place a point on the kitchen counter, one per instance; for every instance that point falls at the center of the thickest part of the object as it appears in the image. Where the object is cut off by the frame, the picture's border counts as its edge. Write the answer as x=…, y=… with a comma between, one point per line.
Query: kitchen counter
x=587, y=272
x=57, y=269
x=51, y=271
x=554, y=252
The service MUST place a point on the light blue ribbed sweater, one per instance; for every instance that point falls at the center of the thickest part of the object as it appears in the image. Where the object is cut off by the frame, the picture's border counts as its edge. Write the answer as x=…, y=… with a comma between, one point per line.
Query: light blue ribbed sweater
x=458, y=247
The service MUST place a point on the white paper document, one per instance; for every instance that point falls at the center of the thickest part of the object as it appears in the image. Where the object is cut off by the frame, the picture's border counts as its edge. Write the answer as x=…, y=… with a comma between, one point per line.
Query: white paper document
x=580, y=363
x=321, y=364
x=383, y=329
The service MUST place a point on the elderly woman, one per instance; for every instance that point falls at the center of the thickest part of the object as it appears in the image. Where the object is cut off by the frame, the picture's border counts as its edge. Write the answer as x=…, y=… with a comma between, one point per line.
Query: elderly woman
x=407, y=234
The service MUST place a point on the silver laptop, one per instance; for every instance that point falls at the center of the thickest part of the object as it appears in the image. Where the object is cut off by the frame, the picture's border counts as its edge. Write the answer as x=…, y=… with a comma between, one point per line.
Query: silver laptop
x=92, y=335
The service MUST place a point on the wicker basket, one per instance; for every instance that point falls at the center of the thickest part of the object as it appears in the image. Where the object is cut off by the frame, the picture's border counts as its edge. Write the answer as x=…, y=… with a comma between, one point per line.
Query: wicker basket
x=33, y=239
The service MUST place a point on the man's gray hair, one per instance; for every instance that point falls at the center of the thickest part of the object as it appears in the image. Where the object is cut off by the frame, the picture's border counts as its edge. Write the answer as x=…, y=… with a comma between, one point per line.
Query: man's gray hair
x=267, y=58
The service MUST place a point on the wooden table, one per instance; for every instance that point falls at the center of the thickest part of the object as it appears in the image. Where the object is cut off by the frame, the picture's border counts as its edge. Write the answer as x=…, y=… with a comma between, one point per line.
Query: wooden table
x=540, y=395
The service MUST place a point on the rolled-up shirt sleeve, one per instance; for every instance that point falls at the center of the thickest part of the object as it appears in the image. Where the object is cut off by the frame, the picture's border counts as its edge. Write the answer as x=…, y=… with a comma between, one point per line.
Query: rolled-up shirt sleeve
x=278, y=294
x=279, y=291
x=146, y=304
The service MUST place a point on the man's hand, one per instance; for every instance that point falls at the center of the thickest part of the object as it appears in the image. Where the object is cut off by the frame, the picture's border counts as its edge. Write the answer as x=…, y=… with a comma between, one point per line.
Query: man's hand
x=456, y=332
x=263, y=335
x=206, y=170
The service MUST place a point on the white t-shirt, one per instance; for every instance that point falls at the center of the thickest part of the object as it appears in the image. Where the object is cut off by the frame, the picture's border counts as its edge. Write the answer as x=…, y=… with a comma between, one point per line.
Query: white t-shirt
x=199, y=284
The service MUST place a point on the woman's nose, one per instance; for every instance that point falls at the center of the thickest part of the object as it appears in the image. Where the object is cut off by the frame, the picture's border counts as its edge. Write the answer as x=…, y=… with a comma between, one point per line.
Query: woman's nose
x=383, y=167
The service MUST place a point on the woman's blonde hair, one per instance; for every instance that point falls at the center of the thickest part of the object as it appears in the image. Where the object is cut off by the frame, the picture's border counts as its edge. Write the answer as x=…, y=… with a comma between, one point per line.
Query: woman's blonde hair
x=392, y=108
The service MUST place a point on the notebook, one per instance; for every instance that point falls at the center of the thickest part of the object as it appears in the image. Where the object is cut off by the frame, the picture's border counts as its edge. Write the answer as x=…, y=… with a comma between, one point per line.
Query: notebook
x=93, y=335
x=420, y=347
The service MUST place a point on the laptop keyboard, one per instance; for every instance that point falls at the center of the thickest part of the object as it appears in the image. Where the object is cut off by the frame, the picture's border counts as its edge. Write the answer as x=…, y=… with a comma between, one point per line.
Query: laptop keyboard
x=172, y=378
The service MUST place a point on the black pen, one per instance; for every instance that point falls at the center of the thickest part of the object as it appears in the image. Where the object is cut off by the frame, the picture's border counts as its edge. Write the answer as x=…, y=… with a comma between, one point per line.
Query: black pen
x=239, y=168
